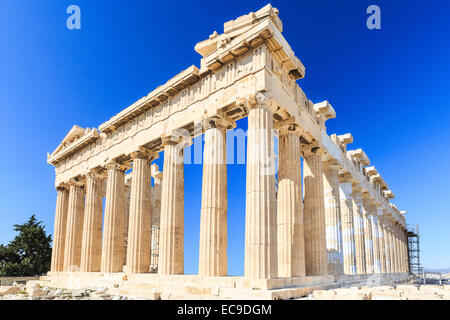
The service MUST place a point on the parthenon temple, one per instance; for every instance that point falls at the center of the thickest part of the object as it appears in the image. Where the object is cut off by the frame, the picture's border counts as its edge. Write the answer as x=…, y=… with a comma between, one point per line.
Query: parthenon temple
x=314, y=225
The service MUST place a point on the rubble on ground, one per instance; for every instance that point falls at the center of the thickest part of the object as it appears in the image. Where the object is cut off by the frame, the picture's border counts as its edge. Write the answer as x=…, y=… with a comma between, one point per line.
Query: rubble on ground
x=33, y=291
x=390, y=292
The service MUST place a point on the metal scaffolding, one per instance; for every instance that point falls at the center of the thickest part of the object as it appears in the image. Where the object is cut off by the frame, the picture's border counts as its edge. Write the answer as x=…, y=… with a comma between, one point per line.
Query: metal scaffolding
x=414, y=250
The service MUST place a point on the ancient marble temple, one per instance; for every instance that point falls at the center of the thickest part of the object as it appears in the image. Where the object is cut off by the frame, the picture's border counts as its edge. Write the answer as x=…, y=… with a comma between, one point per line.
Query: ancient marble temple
x=333, y=222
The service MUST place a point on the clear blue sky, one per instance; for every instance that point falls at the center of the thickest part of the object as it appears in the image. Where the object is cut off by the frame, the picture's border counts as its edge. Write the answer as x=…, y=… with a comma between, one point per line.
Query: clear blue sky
x=389, y=87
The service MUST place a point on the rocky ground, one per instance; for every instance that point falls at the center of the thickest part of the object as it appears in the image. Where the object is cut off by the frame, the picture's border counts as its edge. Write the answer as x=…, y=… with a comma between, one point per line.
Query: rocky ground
x=392, y=292
x=36, y=292
x=412, y=291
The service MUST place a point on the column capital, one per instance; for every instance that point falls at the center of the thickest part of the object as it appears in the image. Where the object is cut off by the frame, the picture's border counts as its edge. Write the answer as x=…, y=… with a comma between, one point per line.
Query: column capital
x=219, y=122
x=62, y=188
x=144, y=153
x=311, y=149
x=115, y=165
x=260, y=100
x=96, y=173
x=176, y=138
x=288, y=126
x=75, y=182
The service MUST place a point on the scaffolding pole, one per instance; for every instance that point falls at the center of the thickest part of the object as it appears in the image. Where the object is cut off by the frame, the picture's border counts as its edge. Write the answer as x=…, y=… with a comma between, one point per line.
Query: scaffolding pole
x=415, y=266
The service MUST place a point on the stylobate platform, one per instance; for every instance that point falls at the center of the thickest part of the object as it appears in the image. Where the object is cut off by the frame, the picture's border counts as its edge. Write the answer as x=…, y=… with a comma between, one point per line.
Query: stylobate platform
x=154, y=286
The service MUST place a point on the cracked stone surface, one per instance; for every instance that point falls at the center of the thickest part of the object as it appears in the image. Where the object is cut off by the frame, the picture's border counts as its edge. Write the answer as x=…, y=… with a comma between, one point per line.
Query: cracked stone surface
x=36, y=292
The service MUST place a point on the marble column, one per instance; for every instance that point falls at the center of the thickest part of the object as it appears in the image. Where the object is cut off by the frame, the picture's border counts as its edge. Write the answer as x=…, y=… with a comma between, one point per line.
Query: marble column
x=91, y=246
x=260, y=260
x=291, y=254
x=381, y=248
x=387, y=249
x=156, y=194
x=140, y=218
x=335, y=257
x=395, y=246
x=213, y=216
x=392, y=248
x=74, y=229
x=358, y=229
x=171, y=244
x=368, y=240
x=348, y=239
x=405, y=252
x=314, y=213
x=402, y=247
x=156, y=205
x=377, y=238
x=112, y=242
x=128, y=179
x=59, y=233
x=397, y=249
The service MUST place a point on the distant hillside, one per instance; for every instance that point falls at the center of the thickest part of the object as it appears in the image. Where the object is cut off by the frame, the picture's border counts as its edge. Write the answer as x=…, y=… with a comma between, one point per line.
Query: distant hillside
x=443, y=271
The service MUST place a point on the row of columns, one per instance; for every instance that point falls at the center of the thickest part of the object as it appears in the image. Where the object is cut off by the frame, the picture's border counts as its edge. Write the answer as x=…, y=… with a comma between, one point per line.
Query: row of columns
x=80, y=242
x=371, y=242
x=335, y=229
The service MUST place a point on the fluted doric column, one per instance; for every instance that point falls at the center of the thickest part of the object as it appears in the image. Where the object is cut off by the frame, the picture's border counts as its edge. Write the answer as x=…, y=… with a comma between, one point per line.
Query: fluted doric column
x=381, y=239
x=140, y=217
x=213, y=219
x=260, y=210
x=386, y=244
x=171, y=245
x=91, y=246
x=128, y=179
x=392, y=248
x=156, y=194
x=407, y=253
x=358, y=228
x=402, y=248
x=368, y=240
x=348, y=238
x=335, y=257
x=397, y=248
x=377, y=238
x=74, y=229
x=113, y=227
x=156, y=206
x=314, y=213
x=59, y=233
x=291, y=254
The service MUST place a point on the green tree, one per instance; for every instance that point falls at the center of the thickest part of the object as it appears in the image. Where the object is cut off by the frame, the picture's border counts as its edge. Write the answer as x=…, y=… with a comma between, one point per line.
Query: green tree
x=29, y=254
